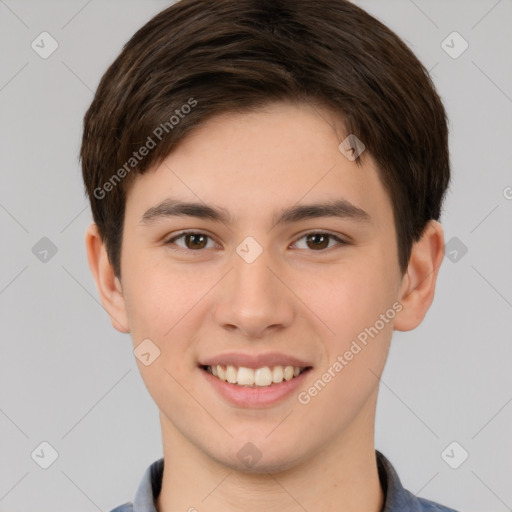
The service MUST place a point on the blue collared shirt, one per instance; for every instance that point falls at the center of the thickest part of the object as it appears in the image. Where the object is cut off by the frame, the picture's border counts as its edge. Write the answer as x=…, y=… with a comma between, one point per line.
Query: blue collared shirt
x=397, y=499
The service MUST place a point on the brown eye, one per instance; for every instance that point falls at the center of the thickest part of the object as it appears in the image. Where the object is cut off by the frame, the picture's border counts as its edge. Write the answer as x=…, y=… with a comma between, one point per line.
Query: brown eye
x=191, y=241
x=195, y=241
x=319, y=241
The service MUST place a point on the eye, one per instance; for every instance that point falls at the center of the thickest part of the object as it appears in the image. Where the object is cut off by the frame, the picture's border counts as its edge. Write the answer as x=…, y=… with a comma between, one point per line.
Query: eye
x=196, y=240
x=319, y=240
x=192, y=240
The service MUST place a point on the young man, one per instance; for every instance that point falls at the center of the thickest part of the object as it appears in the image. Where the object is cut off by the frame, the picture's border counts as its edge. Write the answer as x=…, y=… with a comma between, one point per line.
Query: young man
x=265, y=179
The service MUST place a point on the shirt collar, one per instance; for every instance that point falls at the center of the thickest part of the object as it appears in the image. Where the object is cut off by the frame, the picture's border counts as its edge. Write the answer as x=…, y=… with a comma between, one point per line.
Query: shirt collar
x=149, y=488
x=396, y=497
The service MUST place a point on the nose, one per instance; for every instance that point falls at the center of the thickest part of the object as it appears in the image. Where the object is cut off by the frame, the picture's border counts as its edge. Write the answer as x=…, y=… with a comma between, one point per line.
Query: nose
x=253, y=299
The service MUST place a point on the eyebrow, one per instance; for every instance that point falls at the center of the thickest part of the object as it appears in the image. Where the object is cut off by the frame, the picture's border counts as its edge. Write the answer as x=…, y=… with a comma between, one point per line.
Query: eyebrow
x=340, y=208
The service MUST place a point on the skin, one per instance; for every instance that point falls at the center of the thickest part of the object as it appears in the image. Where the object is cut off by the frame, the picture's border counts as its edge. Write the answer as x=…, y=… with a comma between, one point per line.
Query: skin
x=295, y=298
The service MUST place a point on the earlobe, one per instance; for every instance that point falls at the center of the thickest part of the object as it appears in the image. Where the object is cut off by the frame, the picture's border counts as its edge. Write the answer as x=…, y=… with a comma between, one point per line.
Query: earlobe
x=109, y=286
x=419, y=281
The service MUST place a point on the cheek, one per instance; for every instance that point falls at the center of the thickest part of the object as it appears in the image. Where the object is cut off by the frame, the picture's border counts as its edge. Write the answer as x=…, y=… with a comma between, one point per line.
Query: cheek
x=167, y=305
x=149, y=307
x=350, y=297
x=357, y=353
x=356, y=303
x=363, y=321
x=156, y=295
x=160, y=306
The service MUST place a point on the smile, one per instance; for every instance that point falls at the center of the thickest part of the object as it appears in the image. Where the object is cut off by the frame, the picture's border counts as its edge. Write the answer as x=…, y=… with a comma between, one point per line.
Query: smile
x=258, y=377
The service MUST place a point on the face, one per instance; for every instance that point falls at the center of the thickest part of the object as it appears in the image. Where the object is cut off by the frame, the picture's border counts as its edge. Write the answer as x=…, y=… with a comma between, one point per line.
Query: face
x=289, y=260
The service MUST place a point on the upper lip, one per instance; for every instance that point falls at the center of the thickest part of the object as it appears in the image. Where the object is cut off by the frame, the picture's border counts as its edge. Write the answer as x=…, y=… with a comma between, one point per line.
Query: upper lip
x=254, y=360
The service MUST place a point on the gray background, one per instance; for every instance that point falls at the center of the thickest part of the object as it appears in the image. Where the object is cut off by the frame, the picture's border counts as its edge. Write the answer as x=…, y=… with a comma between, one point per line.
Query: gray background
x=68, y=378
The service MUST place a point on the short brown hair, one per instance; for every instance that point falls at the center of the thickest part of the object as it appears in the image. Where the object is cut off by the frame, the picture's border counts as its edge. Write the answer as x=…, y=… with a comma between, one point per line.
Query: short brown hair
x=238, y=55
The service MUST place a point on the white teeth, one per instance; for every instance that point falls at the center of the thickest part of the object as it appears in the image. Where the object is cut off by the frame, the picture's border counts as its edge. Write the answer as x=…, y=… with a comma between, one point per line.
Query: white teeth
x=245, y=377
x=231, y=374
x=262, y=377
x=277, y=374
x=288, y=373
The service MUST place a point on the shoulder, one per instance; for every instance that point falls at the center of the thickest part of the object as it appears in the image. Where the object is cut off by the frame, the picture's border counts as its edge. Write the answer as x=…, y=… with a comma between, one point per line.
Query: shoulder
x=127, y=507
x=431, y=506
x=399, y=499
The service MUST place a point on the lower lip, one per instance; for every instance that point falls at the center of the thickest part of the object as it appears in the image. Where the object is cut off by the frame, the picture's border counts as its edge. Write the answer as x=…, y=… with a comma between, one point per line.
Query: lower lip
x=255, y=396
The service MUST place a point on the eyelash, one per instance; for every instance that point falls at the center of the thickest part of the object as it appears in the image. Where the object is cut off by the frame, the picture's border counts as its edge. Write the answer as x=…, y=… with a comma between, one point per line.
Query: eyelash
x=184, y=233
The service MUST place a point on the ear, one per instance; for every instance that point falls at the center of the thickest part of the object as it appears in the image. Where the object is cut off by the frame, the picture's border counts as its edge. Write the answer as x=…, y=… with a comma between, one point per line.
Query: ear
x=419, y=282
x=109, y=286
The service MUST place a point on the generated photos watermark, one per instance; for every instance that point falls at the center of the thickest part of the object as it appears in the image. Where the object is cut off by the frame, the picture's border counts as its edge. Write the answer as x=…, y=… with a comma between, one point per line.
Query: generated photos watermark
x=342, y=360
x=151, y=142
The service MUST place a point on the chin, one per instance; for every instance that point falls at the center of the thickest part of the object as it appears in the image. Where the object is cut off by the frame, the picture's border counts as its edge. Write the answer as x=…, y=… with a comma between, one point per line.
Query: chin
x=250, y=459
x=263, y=466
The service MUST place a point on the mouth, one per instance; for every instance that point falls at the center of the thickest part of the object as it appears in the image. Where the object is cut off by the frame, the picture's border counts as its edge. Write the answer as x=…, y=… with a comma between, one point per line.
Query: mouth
x=264, y=377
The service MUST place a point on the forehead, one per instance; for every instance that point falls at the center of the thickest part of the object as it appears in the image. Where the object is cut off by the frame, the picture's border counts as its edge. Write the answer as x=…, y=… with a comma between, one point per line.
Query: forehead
x=251, y=163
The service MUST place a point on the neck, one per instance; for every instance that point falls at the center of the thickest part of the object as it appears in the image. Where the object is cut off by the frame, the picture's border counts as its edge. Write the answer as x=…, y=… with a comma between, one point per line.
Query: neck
x=342, y=476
